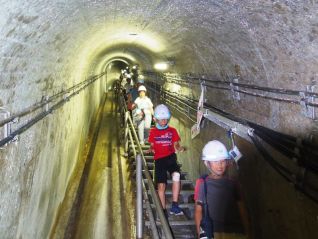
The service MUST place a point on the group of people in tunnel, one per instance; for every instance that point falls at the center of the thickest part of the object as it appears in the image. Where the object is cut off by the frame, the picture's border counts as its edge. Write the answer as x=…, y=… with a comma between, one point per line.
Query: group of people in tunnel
x=138, y=103
x=219, y=208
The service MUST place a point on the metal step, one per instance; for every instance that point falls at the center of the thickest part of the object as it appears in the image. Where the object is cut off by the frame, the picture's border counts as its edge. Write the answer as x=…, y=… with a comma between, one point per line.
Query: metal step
x=147, y=145
x=147, y=157
x=175, y=223
x=151, y=166
x=182, y=226
x=182, y=205
x=182, y=192
x=183, y=174
x=182, y=181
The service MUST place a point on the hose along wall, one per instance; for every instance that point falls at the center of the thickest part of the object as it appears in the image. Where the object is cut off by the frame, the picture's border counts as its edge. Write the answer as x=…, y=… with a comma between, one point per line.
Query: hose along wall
x=300, y=151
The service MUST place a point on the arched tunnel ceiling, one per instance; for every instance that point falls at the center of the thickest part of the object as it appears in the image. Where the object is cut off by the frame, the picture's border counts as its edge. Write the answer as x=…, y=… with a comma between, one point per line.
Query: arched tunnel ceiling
x=272, y=42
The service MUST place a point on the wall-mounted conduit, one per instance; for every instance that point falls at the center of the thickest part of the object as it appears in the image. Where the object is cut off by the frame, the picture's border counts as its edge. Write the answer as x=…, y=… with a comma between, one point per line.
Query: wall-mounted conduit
x=66, y=96
x=306, y=98
x=300, y=151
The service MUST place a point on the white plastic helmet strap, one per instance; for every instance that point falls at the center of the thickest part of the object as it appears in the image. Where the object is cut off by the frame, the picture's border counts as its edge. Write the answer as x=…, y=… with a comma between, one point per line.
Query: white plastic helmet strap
x=176, y=176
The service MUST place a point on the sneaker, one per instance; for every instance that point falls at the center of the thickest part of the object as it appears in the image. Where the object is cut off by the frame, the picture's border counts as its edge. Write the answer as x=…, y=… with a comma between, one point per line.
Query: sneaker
x=176, y=210
x=202, y=234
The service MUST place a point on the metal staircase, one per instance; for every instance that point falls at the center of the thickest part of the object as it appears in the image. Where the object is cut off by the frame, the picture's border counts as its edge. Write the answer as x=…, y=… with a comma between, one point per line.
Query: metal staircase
x=182, y=226
x=154, y=223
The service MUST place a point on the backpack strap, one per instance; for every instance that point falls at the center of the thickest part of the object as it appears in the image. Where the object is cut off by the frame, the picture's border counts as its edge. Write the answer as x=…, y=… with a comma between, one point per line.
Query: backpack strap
x=204, y=177
x=205, y=205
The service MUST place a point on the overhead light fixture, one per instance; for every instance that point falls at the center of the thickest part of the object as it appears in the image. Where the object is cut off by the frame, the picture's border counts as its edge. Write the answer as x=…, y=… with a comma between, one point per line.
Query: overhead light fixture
x=162, y=66
x=176, y=88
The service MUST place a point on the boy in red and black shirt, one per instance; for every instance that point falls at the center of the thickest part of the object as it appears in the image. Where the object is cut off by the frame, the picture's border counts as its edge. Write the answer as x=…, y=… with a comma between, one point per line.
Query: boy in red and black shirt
x=164, y=141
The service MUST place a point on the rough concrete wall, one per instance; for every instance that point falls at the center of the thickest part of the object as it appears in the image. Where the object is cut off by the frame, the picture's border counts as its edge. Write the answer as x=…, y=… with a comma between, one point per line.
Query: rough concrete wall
x=36, y=61
x=35, y=171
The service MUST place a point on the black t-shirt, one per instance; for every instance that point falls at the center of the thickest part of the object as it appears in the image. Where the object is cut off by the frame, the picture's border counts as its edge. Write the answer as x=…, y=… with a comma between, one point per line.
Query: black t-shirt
x=222, y=197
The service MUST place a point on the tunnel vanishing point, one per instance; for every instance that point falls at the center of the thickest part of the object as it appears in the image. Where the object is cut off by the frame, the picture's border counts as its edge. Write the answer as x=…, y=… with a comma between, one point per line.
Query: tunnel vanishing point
x=256, y=59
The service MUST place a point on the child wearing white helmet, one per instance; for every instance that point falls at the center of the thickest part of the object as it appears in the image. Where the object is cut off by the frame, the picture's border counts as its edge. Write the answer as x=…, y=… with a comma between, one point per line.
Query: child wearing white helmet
x=143, y=114
x=222, y=195
x=164, y=141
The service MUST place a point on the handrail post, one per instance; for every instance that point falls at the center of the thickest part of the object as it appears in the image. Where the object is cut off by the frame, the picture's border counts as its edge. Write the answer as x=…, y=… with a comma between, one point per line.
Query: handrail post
x=139, y=197
x=163, y=220
x=126, y=131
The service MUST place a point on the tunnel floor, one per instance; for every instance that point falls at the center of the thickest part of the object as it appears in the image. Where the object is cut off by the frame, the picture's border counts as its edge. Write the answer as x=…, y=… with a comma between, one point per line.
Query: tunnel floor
x=106, y=209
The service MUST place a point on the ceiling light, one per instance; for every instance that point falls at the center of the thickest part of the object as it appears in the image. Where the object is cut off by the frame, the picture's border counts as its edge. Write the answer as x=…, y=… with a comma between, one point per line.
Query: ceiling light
x=162, y=66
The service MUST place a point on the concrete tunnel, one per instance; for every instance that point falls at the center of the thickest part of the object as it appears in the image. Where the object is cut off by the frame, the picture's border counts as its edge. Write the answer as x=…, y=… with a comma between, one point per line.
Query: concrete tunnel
x=50, y=46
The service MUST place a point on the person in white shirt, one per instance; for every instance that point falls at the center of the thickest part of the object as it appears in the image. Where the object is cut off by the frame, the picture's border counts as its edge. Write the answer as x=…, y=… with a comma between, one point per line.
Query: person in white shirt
x=143, y=114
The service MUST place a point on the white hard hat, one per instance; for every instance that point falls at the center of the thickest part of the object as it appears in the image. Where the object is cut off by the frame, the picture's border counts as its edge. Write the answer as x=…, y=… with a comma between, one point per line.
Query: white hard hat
x=128, y=76
x=142, y=88
x=214, y=151
x=162, y=112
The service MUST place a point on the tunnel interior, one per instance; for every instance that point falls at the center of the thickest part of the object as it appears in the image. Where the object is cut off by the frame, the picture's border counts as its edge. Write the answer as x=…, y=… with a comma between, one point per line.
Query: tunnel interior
x=47, y=47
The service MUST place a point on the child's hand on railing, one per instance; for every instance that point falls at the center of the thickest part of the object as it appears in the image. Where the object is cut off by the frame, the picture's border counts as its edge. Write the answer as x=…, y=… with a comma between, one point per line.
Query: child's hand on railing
x=149, y=151
x=181, y=149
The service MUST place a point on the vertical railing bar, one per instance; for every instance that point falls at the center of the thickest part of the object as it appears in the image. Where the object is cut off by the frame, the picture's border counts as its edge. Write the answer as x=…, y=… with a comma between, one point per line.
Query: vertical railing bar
x=139, y=197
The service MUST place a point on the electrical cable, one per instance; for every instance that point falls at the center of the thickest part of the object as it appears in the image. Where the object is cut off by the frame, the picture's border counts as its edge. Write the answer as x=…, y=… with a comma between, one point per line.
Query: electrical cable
x=290, y=146
x=43, y=114
x=186, y=79
x=284, y=172
x=248, y=86
x=50, y=99
x=304, y=152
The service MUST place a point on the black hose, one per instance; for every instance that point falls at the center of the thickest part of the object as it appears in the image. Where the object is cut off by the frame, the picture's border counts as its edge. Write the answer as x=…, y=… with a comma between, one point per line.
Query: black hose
x=304, y=152
x=285, y=173
x=42, y=115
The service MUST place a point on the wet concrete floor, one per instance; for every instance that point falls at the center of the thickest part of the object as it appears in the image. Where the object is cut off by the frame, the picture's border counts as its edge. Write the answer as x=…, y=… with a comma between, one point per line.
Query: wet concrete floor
x=107, y=203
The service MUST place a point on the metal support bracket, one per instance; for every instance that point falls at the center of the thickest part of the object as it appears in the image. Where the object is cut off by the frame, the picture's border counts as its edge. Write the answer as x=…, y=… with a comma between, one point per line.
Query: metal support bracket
x=234, y=88
x=5, y=130
x=195, y=129
x=237, y=128
x=46, y=99
x=307, y=110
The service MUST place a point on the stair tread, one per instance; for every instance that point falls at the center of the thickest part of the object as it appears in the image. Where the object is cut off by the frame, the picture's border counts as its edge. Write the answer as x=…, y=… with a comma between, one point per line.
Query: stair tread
x=169, y=181
x=176, y=223
x=182, y=191
x=181, y=205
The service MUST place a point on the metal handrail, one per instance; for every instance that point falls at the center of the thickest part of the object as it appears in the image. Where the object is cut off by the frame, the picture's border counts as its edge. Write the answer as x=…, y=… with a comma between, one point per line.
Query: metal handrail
x=157, y=203
x=148, y=208
x=43, y=114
